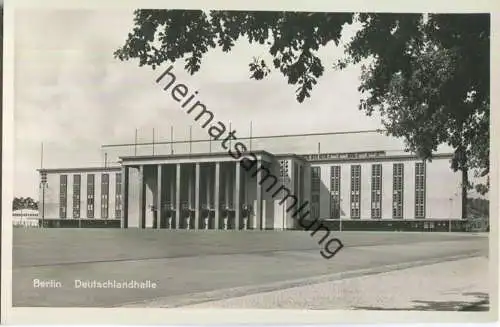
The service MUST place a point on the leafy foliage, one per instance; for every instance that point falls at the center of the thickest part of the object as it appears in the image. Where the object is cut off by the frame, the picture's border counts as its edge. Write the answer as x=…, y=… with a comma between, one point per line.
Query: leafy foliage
x=430, y=81
x=293, y=39
x=24, y=203
x=428, y=75
x=479, y=207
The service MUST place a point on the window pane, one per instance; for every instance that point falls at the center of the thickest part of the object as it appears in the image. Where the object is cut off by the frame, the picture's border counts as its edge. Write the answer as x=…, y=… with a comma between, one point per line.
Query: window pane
x=398, y=189
x=355, y=190
x=104, y=195
x=63, y=195
x=90, y=195
x=419, y=190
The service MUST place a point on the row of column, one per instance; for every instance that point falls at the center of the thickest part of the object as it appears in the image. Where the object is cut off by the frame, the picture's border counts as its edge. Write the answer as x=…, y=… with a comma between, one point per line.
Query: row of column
x=255, y=212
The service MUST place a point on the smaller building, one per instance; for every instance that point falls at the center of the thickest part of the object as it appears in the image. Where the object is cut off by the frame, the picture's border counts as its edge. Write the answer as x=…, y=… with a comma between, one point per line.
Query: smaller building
x=25, y=218
x=80, y=195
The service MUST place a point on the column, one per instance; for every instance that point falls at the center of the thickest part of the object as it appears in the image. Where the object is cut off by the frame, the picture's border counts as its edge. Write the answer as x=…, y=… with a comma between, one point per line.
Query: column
x=216, y=194
x=208, y=173
x=293, y=184
x=237, y=196
x=159, y=208
x=142, y=212
x=208, y=178
x=124, y=190
x=177, y=195
x=258, y=209
x=190, y=195
x=227, y=193
x=170, y=171
x=197, y=197
x=190, y=186
x=171, y=183
x=227, y=182
x=245, y=183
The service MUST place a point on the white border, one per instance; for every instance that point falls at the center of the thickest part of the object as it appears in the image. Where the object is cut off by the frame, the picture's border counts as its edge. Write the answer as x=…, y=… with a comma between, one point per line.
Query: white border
x=210, y=317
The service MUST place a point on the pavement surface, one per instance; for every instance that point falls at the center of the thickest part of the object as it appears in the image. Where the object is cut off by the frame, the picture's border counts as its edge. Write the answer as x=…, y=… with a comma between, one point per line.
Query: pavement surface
x=195, y=268
x=460, y=285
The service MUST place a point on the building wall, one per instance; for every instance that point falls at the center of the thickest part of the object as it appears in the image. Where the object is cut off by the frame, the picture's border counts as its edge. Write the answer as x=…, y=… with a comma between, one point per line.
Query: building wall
x=112, y=199
x=302, y=190
x=52, y=193
x=150, y=196
x=443, y=193
x=409, y=189
x=279, y=217
x=280, y=206
x=387, y=189
x=268, y=201
x=133, y=195
x=443, y=198
x=50, y=205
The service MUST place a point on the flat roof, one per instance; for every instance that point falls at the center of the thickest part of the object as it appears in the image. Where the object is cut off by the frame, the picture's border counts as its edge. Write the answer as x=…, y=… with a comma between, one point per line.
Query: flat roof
x=191, y=158
x=291, y=155
x=398, y=157
x=78, y=169
x=190, y=155
x=210, y=155
x=310, y=158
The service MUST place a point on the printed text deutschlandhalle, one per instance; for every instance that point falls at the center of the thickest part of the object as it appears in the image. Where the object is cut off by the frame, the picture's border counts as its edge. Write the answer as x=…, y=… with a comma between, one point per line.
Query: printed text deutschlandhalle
x=110, y=283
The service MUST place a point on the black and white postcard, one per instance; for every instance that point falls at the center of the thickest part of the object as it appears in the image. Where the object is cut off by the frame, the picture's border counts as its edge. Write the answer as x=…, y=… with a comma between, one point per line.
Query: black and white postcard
x=294, y=163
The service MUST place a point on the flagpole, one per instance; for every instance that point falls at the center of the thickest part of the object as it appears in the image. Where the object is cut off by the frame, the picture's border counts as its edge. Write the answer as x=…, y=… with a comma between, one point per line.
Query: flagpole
x=171, y=139
x=190, y=138
x=135, y=143
x=250, y=136
x=43, y=184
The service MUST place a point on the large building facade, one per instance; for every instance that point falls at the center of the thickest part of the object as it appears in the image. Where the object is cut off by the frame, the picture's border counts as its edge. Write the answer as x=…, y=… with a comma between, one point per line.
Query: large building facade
x=264, y=191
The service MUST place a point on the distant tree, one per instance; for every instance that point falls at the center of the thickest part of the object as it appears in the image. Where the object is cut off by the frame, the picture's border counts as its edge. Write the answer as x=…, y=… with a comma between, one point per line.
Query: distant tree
x=479, y=207
x=16, y=204
x=428, y=75
x=24, y=203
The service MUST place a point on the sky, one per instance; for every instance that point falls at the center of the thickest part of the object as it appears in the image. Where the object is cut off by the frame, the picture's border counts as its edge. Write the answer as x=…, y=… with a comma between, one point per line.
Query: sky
x=72, y=95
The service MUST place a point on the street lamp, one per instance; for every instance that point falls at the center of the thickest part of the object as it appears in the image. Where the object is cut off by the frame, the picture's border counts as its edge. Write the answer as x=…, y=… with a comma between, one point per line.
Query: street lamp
x=451, y=210
x=451, y=214
x=340, y=212
x=43, y=186
x=284, y=179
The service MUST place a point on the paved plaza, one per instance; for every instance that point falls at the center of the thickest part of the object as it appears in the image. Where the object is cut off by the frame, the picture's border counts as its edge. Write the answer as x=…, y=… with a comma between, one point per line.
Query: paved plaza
x=253, y=269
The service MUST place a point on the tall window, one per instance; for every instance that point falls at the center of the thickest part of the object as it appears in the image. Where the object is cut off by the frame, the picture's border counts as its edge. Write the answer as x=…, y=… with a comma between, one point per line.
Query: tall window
x=398, y=186
x=419, y=190
x=90, y=195
x=355, y=191
x=315, y=191
x=118, y=196
x=63, y=196
x=104, y=196
x=335, y=192
x=76, y=195
x=377, y=191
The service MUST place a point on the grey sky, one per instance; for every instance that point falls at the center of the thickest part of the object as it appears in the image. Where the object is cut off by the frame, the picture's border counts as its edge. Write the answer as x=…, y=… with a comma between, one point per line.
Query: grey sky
x=74, y=96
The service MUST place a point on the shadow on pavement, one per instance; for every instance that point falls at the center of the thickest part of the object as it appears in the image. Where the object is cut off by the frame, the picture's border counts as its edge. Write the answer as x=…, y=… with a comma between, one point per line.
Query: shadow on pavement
x=480, y=303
